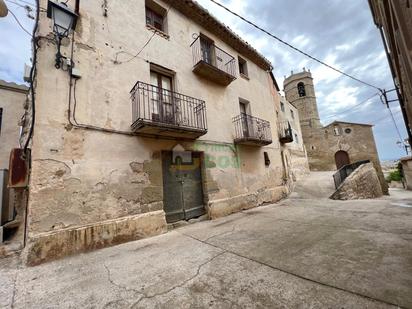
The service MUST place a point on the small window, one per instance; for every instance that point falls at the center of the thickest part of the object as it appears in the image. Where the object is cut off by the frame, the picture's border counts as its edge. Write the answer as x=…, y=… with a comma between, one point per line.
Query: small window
x=292, y=114
x=282, y=106
x=336, y=130
x=301, y=90
x=1, y=117
x=267, y=160
x=348, y=130
x=243, y=67
x=155, y=16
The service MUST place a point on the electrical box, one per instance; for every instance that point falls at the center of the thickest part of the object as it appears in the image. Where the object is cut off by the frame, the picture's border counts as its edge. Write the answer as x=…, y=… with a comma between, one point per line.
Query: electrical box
x=76, y=73
x=27, y=71
x=19, y=168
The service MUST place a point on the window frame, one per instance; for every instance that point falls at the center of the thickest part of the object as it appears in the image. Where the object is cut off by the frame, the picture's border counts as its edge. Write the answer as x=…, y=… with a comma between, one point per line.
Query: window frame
x=155, y=13
x=299, y=86
x=243, y=67
x=282, y=107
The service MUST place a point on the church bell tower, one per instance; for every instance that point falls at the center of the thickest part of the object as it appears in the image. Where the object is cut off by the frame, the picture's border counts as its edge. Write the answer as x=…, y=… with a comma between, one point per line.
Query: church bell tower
x=299, y=91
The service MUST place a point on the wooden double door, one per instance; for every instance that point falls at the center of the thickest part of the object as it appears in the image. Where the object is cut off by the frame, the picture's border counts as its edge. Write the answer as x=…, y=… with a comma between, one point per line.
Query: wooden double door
x=182, y=185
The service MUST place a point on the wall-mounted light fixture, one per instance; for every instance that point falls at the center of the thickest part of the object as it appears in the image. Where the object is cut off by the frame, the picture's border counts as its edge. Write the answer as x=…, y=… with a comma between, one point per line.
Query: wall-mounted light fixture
x=3, y=9
x=64, y=20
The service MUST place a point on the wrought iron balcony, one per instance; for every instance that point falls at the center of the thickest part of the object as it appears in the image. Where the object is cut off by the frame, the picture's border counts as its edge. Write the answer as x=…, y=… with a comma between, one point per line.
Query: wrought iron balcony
x=250, y=130
x=213, y=63
x=285, y=132
x=161, y=112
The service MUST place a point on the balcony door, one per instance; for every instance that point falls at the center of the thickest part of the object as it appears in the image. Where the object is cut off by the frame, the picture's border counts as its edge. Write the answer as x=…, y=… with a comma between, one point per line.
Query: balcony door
x=163, y=109
x=208, y=50
x=244, y=112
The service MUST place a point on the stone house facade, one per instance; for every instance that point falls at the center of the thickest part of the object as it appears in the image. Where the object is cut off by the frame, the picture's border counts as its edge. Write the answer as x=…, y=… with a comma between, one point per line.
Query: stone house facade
x=337, y=144
x=12, y=100
x=394, y=20
x=173, y=117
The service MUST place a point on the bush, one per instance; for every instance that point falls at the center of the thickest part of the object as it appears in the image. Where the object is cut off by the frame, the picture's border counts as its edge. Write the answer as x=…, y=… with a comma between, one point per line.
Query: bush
x=394, y=175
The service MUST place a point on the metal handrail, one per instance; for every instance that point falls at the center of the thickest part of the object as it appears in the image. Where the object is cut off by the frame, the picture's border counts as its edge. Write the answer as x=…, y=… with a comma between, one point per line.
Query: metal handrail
x=249, y=127
x=153, y=104
x=207, y=51
x=345, y=171
x=285, y=130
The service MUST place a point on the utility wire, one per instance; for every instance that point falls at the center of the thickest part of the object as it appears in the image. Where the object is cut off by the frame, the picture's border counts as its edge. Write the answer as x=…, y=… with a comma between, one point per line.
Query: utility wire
x=353, y=107
x=396, y=126
x=142, y=48
x=21, y=26
x=383, y=118
x=293, y=47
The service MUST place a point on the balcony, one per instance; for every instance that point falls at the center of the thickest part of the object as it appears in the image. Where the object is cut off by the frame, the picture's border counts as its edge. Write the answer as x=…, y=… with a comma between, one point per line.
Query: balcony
x=253, y=131
x=285, y=132
x=160, y=112
x=213, y=63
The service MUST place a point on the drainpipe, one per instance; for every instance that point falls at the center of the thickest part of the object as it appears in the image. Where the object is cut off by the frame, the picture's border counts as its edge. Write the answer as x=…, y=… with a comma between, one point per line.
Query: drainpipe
x=400, y=98
x=3, y=9
x=76, y=8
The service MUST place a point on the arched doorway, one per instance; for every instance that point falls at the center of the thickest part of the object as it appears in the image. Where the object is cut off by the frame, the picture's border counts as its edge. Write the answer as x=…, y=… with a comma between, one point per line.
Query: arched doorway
x=341, y=158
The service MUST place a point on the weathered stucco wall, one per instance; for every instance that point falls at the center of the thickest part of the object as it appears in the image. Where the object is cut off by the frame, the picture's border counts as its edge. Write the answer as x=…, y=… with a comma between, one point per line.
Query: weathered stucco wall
x=12, y=99
x=85, y=177
x=407, y=171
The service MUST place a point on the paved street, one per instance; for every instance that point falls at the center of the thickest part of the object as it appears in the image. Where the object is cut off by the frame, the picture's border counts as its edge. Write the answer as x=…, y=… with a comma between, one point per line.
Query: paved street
x=305, y=252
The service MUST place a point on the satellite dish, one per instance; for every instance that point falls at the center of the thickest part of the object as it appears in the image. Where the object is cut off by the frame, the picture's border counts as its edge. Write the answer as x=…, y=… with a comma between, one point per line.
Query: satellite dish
x=3, y=9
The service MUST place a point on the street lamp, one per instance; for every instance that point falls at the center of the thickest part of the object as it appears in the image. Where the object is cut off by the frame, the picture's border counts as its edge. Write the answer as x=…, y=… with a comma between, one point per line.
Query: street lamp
x=64, y=20
x=3, y=9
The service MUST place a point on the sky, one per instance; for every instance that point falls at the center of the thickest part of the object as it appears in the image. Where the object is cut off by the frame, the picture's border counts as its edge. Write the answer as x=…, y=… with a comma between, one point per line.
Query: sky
x=340, y=33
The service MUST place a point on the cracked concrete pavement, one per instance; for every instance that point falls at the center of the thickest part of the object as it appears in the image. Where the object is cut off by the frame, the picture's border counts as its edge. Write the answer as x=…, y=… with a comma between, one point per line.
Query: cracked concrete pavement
x=305, y=252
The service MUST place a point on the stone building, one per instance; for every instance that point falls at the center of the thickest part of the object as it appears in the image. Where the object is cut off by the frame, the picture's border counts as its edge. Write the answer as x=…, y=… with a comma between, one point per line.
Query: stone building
x=166, y=115
x=293, y=151
x=335, y=145
x=12, y=100
x=394, y=20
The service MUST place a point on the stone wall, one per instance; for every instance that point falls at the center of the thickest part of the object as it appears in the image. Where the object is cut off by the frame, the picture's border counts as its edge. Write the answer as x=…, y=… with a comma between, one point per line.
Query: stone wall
x=407, y=171
x=363, y=183
x=13, y=98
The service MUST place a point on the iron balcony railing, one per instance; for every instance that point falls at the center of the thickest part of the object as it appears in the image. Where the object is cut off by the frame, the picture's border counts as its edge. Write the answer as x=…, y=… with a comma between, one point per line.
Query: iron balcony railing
x=345, y=171
x=285, y=132
x=151, y=104
x=249, y=128
x=207, y=51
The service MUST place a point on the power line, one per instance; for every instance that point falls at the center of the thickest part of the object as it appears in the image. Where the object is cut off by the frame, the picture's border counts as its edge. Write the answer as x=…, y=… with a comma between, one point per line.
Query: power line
x=396, y=126
x=293, y=47
x=383, y=118
x=141, y=49
x=353, y=107
x=21, y=26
